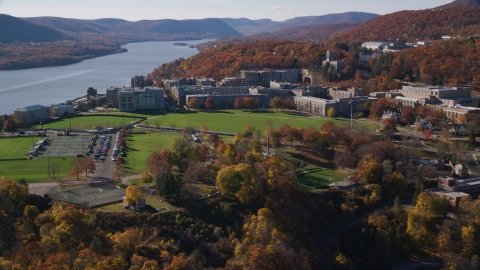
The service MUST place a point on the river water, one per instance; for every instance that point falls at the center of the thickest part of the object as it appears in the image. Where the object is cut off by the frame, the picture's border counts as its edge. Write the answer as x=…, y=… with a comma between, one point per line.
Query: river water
x=50, y=85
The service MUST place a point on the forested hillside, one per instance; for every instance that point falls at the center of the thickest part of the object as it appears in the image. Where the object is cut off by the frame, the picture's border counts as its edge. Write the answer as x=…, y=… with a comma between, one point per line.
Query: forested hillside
x=409, y=26
x=16, y=30
x=227, y=60
x=461, y=3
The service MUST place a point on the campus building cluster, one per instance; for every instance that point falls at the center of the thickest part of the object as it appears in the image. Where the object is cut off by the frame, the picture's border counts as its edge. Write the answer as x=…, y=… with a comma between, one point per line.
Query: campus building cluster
x=453, y=101
x=128, y=99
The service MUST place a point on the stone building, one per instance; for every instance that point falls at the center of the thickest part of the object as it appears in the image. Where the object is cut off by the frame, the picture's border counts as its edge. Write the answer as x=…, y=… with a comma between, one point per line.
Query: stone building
x=131, y=100
x=32, y=114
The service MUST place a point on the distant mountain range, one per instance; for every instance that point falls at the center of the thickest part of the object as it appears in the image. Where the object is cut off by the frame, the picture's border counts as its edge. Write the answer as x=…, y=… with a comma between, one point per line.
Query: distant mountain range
x=13, y=29
x=203, y=28
x=247, y=26
x=461, y=3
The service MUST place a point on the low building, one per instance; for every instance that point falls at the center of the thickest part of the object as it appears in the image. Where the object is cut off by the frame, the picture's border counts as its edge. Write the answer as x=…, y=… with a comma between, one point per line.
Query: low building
x=61, y=110
x=375, y=45
x=32, y=114
x=342, y=106
x=232, y=82
x=454, y=189
x=131, y=100
x=459, y=129
x=205, y=82
x=140, y=203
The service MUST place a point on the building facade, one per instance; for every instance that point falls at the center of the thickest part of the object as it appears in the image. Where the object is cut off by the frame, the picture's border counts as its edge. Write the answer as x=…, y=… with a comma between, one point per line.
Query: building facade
x=32, y=114
x=227, y=101
x=131, y=100
x=264, y=77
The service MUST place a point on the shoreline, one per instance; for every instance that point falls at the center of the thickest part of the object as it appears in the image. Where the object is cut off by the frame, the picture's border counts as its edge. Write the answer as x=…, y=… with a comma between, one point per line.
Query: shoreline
x=66, y=62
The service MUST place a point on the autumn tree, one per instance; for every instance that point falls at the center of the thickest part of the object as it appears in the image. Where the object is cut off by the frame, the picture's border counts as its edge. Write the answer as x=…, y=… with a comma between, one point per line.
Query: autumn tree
x=461, y=119
x=250, y=103
x=146, y=177
x=426, y=134
x=87, y=165
x=331, y=112
x=275, y=103
x=248, y=131
x=239, y=103
x=158, y=162
x=239, y=180
x=7, y=126
x=407, y=115
x=123, y=143
x=76, y=167
x=194, y=103
x=210, y=103
x=132, y=194
x=390, y=125
x=118, y=173
x=372, y=172
x=291, y=135
x=203, y=129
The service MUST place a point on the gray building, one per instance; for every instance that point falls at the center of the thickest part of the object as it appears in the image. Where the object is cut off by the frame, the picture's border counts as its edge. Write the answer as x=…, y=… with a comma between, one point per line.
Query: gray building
x=227, y=82
x=131, y=100
x=112, y=96
x=205, y=82
x=320, y=106
x=32, y=114
x=61, y=110
x=264, y=77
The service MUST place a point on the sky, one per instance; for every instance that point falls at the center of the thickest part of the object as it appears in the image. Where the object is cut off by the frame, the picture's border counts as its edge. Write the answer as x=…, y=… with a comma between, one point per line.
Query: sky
x=134, y=10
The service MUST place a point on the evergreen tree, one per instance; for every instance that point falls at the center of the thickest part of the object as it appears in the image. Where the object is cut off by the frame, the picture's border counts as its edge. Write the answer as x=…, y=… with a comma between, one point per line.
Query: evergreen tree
x=471, y=136
x=167, y=185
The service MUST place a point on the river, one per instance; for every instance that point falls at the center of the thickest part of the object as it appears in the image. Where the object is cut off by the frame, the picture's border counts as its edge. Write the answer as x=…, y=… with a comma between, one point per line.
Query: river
x=51, y=85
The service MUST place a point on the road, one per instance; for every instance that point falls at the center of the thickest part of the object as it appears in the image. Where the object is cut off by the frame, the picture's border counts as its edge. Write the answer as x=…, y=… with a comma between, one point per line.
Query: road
x=418, y=263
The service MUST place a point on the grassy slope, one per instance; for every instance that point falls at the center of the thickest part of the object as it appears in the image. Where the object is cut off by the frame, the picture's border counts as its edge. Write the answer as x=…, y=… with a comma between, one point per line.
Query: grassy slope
x=90, y=122
x=141, y=145
x=34, y=170
x=235, y=120
x=312, y=173
x=15, y=147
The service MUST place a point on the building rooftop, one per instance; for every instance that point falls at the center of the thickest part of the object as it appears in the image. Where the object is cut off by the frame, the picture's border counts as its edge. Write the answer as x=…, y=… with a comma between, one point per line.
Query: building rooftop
x=31, y=108
x=454, y=194
x=407, y=99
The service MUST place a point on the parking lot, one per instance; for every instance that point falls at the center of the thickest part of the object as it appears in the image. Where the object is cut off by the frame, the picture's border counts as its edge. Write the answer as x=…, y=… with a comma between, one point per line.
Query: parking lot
x=105, y=150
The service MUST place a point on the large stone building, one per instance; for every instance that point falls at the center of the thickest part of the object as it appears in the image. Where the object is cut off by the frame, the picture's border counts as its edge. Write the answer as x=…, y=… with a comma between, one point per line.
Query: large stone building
x=227, y=82
x=332, y=64
x=454, y=189
x=131, y=100
x=264, y=77
x=32, y=114
x=342, y=106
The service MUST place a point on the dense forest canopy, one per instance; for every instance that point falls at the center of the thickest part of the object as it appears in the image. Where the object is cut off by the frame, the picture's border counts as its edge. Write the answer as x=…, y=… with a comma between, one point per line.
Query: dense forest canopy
x=409, y=26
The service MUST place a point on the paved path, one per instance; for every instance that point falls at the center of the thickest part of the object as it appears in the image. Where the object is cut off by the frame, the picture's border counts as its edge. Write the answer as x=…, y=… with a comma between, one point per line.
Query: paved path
x=418, y=263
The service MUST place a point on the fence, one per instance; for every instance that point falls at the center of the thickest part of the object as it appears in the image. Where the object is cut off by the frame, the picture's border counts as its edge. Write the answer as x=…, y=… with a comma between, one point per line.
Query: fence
x=94, y=195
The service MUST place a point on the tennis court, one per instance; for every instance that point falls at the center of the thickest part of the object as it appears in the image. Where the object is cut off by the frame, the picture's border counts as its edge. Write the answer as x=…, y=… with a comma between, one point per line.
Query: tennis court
x=66, y=146
x=93, y=195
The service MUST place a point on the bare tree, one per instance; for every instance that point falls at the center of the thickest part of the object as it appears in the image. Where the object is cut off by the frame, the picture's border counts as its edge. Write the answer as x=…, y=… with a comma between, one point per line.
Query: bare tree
x=53, y=168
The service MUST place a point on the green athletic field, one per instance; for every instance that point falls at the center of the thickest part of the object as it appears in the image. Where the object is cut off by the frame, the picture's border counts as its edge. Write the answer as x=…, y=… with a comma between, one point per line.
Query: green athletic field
x=34, y=170
x=235, y=120
x=15, y=147
x=141, y=145
x=89, y=122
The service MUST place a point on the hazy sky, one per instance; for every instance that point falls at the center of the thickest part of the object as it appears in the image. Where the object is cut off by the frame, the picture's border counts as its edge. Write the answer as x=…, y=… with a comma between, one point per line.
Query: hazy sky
x=135, y=10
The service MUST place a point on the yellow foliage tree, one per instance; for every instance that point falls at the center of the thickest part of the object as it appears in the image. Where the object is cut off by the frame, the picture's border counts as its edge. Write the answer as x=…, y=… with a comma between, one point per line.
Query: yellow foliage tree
x=331, y=112
x=461, y=119
x=133, y=193
x=146, y=177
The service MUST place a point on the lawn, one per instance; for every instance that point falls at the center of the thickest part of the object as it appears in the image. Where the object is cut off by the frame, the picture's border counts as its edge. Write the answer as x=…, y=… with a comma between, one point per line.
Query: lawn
x=235, y=120
x=89, y=122
x=311, y=173
x=15, y=147
x=34, y=170
x=153, y=202
x=141, y=145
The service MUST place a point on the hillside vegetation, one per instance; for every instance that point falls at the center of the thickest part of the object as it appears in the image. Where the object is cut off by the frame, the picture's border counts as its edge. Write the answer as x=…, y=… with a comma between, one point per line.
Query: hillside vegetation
x=409, y=26
x=16, y=30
